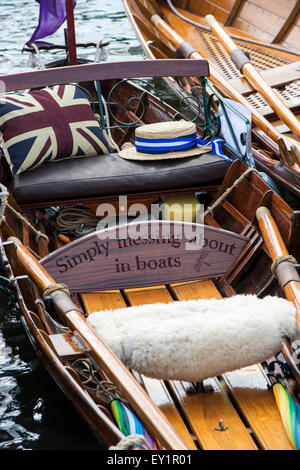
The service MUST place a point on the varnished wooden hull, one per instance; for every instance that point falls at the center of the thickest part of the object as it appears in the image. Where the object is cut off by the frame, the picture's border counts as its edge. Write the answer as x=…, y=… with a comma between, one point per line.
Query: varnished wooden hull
x=246, y=389
x=279, y=68
x=241, y=399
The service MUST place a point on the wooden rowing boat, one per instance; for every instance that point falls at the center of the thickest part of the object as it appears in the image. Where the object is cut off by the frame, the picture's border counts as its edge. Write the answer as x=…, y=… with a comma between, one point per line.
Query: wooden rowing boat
x=233, y=411
x=273, y=53
x=60, y=276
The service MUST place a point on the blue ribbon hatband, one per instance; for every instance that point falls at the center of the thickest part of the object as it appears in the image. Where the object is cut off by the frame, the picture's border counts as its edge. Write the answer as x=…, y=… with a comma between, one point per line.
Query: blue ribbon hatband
x=178, y=144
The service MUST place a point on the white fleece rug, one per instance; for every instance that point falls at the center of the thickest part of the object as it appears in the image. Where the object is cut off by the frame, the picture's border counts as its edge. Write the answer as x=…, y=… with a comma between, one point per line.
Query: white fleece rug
x=196, y=339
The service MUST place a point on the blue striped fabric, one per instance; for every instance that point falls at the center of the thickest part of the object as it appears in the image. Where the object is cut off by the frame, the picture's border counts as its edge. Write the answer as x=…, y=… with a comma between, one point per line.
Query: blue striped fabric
x=165, y=145
x=216, y=147
x=178, y=144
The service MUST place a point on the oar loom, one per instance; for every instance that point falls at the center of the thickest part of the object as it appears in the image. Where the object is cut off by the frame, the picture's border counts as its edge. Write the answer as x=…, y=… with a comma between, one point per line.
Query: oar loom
x=100, y=352
x=291, y=147
x=199, y=332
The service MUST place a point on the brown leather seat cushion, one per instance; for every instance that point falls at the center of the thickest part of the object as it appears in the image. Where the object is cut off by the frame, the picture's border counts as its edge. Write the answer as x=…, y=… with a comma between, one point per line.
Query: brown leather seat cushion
x=110, y=174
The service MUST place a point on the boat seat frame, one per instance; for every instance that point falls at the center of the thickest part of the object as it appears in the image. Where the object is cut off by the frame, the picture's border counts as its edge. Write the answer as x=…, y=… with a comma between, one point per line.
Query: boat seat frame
x=95, y=77
x=139, y=70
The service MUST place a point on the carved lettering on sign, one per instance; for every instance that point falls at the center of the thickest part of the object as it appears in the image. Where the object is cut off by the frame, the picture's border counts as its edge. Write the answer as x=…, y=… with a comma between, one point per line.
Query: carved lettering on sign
x=95, y=249
x=97, y=263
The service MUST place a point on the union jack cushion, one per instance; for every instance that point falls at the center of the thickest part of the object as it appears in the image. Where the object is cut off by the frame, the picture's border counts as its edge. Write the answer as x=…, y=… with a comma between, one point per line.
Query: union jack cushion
x=49, y=124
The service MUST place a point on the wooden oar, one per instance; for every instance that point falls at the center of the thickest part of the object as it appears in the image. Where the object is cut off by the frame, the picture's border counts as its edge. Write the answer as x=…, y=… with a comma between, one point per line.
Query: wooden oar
x=243, y=64
x=285, y=272
x=228, y=90
x=152, y=418
x=276, y=248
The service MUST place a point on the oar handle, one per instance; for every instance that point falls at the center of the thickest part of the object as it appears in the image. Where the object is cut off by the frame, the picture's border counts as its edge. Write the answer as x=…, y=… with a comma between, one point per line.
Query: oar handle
x=34, y=269
x=161, y=25
x=284, y=263
x=153, y=419
x=217, y=29
x=271, y=235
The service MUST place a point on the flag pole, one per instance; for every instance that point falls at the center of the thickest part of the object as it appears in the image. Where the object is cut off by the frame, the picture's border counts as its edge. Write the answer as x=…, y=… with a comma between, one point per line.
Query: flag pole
x=71, y=32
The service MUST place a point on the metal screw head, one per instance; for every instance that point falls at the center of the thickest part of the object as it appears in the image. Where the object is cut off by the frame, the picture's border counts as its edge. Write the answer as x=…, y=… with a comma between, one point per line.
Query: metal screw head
x=221, y=426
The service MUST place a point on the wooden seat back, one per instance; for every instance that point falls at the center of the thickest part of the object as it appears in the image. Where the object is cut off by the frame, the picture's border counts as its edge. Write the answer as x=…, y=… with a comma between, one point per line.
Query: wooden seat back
x=159, y=252
x=104, y=71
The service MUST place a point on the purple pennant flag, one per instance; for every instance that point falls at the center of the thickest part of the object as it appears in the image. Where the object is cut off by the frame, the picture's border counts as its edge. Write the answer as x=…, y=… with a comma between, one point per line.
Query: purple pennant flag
x=52, y=15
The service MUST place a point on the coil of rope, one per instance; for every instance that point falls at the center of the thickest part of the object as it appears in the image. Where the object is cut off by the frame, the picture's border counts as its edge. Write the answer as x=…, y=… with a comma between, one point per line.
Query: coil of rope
x=79, y=221
x=131, y=441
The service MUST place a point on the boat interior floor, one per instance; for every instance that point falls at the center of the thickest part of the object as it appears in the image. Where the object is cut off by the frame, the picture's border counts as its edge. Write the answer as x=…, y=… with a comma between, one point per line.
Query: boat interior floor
x=234, y=411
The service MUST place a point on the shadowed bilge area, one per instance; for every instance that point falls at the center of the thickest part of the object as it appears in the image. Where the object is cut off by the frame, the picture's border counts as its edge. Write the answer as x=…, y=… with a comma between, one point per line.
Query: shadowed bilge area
x=34, y=413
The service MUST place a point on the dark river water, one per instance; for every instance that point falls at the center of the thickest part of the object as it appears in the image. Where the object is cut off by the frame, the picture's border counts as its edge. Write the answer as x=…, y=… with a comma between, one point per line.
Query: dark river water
x=34, y=414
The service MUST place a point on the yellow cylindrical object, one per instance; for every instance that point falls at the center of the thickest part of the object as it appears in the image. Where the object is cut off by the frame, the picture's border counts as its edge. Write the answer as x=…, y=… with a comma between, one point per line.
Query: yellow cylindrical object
x=180, y=207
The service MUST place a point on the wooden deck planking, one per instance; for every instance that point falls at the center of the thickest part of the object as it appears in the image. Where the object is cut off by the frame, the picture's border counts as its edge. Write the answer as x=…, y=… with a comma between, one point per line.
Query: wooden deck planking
x=202, y=410
x=158, y=392
x=156, y=389
x=249, y=389
x=106, y=300
x=248, y=386
x=195, y=290
x=147, y=295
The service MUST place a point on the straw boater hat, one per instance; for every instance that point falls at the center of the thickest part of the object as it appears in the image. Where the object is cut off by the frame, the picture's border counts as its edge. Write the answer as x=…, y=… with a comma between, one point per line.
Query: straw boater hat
x=163, y=140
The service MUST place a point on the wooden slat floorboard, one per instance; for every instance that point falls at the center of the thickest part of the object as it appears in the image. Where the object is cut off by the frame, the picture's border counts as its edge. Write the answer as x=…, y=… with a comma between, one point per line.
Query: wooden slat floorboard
x=106, y=300
x=247, y=386
x=158, y=392
x=249, y=389
x=156, y=389
x=248, y=396
x=202, y=410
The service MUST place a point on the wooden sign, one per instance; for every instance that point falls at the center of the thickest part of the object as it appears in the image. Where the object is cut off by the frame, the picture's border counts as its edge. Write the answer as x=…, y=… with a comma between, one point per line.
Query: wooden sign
x=142, y=254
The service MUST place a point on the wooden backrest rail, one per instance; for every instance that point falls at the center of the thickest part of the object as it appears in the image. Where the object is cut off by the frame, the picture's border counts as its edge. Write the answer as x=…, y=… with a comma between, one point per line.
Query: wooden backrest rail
x=105, y=71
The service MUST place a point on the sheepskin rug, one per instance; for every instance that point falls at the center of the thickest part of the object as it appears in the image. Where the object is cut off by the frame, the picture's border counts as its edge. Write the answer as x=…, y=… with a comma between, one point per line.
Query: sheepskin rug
x=196, y=339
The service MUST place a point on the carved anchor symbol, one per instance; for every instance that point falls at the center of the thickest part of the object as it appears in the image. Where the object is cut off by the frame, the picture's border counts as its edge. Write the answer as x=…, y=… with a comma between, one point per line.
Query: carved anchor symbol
x=200, y=261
